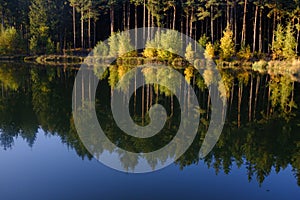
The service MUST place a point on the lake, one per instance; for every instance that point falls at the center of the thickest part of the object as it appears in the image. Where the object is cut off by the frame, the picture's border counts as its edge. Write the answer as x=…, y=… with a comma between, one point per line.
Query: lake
x=43, y=157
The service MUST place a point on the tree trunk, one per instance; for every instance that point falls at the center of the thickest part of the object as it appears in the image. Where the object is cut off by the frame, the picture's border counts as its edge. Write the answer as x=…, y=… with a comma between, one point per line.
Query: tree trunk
x=231, y=96
x=298, y=35
x=89, y=31
x=243, y=41
x=112, y=19
x=153, y=25
x=95, y=24
x=191, y=23
x=260, y=32
x=148, y=98
x=250, y=99
x=181, y=28
x=144, y=21
x=208, y=103
x=135, y=92
x=128, y=16
x=124, y=15
x=256, y=95
x=143, y=102
x=212, y=23
x=74, y=27
x=228, y=13
x=149, y=24
x=82, y=29
x=136, y=26
x=240, y=103
x=235, y=23
x=65, y=39
x=174, y=17
x=254, y=28
x=187, y=26
x=274, y=27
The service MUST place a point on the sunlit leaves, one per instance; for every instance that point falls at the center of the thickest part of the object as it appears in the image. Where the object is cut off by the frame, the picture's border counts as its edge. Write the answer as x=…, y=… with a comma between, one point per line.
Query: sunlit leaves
x=227, y=45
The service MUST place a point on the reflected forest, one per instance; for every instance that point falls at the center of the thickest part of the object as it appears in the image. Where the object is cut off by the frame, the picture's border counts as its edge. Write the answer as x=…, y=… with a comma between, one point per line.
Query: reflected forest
x=261, y=130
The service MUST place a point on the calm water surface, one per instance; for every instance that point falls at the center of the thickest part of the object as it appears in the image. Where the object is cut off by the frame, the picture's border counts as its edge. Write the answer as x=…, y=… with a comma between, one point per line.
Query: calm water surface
x=42, y=157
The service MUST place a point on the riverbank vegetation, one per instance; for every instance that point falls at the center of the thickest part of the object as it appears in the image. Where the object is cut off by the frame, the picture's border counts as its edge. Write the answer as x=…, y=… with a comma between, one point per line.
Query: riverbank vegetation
x=228, y=30
x=39, y=98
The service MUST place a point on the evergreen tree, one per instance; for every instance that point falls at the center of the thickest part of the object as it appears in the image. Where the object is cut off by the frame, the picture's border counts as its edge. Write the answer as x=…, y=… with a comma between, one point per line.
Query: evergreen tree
x=39, y=27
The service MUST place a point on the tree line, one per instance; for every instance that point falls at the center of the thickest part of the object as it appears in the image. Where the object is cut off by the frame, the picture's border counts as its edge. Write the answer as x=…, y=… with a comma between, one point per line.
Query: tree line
x=39, y=98
x=48, y=26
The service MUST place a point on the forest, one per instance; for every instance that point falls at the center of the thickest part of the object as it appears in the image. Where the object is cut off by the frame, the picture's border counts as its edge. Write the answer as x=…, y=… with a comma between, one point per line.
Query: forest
x=39, y=98
x=254, y=28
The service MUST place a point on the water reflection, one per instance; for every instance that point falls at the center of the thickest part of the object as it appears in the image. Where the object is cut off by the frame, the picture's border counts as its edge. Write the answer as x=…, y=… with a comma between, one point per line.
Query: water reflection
x=261, y=133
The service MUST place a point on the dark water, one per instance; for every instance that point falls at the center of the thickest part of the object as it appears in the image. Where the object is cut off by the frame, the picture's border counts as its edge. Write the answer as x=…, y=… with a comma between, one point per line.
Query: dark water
x=42, y=157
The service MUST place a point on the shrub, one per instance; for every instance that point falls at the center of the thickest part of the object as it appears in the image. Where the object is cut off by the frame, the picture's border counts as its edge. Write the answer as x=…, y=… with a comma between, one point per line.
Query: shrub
x=101, y=49
x=190, y=53
x=209, y=51
x=11, y=42
x=260, y=65
x=227, y=45
x=203, y=41
x=50, y=46
x=120, y=45
x=278, y=43
x=166, y=45
x=245, y=53
x=289, y=44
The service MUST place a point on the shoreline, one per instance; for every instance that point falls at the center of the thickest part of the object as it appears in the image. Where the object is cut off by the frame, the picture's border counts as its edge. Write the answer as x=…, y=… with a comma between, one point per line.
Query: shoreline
x=256, y=65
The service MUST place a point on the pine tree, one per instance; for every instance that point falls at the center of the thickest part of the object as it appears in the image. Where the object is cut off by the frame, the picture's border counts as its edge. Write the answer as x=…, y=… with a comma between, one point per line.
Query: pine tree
x=227, y=45
x=39, y=27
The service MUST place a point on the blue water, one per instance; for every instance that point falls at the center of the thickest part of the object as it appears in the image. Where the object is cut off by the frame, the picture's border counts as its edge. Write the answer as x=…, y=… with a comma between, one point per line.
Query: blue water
x=50, y=170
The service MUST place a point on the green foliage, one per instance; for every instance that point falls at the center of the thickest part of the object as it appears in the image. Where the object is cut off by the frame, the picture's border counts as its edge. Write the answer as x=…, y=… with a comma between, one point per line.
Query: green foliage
x=39, y=45
x=245, y=53
x=209, y=51
x=166, y=45
x=113, y=76
x=203, y=41
x=190, y=53
x=50, y=46
x=281, y=92
x=120, y=45
x=9, y=78
x=290, y=43
x=40, y=41
x=260, y=65
x=150, y=52
x=189, y=73
x=227, y=45
x=226, y=85
x=169, y=45
x=125, y=46
x=208, y=77
x=11, y=42
x=101, y=49
x=113, y=42
x=151, y=48
x=278, y=44
x=284, y=45
x=33, y=45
